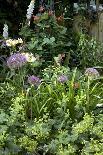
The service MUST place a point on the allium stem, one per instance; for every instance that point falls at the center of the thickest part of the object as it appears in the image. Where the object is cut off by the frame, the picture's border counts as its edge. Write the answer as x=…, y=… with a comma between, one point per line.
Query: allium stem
x=31, y=112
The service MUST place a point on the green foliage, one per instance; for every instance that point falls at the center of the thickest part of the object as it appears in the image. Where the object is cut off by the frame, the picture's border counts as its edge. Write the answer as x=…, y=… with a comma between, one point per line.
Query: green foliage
x=53, y=118
x=89, y=52
x=47, y=38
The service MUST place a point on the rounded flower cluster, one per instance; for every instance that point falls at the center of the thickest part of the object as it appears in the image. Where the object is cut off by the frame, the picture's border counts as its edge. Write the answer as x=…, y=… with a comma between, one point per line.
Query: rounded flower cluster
x=13, y=42
x=34, y=80
x=92, y=72
x=62, y=79
x=16, y=61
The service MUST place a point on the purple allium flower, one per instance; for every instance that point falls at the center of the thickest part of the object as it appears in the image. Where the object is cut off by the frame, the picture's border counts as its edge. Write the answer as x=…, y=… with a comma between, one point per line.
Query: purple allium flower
x=34, y=80
x=62, y=79
x=91, y=72
x=16, y=60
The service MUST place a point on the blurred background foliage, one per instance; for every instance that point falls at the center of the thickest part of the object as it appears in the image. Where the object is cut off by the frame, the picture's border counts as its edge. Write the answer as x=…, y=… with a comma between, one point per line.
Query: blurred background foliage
x=13, y=11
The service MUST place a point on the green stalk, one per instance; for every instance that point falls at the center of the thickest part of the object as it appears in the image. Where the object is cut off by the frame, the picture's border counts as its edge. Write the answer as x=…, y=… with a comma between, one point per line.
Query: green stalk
x=87, y=95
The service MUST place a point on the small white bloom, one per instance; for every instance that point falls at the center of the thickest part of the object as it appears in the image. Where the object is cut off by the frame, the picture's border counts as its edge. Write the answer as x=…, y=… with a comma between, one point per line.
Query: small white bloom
x=30, y=10
x=29, y=57
x=11, y=42
x=8, y=42
x=5, y=31
x=20, y=41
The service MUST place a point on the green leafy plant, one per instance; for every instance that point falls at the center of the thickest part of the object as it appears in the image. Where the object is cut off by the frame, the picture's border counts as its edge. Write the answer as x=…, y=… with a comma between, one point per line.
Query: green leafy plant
x=47, y=38
x=89, y=52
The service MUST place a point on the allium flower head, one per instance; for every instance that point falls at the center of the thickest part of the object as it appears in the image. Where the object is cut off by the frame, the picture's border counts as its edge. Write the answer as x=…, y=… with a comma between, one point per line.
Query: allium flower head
x=92, y=72
x=34, y=80
x=30, y=10
x=5, y=31
x=16, y=61
x=62, y=79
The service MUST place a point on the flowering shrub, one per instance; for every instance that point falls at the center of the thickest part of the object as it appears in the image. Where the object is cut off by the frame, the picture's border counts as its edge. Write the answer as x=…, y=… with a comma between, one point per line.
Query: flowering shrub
x=44, y=35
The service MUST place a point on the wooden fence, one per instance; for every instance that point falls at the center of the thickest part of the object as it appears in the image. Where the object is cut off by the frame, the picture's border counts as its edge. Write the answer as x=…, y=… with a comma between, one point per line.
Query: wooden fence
x=94, y=29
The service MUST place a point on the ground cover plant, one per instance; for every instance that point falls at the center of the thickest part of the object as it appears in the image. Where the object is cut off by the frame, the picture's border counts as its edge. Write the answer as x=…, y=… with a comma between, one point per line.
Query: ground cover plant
x=47, y=105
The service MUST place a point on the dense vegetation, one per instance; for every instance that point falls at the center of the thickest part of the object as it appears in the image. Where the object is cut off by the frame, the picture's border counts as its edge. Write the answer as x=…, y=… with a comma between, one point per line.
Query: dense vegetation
x=51, y=86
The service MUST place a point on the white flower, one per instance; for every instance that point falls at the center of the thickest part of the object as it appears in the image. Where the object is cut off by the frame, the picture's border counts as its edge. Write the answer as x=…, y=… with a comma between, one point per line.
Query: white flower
x=30, y=10
x=11, y=42
x=29, y=57
x=5, y=31
x=20, y=41
x=8, y=42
